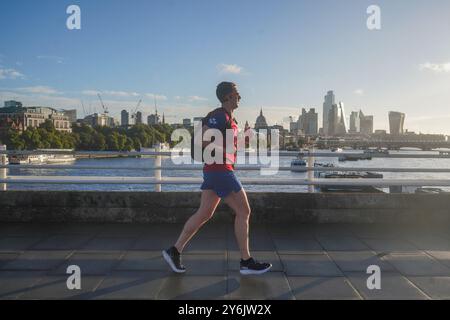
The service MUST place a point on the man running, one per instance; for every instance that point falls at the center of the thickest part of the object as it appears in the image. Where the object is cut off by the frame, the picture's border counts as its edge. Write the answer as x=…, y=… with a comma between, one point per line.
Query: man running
x=220, y=183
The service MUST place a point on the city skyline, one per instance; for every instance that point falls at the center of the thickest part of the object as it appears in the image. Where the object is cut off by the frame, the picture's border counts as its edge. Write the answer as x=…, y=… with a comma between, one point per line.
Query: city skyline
x=307, y=122
x=176, y=52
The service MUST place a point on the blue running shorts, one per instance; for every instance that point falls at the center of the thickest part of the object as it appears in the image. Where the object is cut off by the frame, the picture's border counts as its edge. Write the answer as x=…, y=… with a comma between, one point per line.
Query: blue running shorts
x=222, y=182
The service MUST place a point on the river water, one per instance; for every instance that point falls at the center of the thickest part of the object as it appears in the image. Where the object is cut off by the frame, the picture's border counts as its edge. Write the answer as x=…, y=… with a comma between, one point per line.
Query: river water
x=146, y=163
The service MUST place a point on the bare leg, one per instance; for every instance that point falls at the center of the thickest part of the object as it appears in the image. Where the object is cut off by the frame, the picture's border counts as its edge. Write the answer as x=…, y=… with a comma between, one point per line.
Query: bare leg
x=208, y=204
x=239, y=203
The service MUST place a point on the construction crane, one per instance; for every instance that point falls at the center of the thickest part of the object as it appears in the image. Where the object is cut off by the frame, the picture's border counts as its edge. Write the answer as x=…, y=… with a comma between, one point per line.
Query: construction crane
x=156, y=108
x=136, y=108
x=105, y=109
x=133, y=114
x=84, y=110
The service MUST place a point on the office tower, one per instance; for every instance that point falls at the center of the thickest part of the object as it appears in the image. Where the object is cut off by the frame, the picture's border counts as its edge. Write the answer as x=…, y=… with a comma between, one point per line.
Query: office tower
x=342, y=120
x=186, y=122
x=337, y=123
x=138, y=119
x=355, y=122
x=396, y=122
x=71, y=115
x=13, y=104
x=153, y=119
x=366, y=123
x=329, y=100
x=332, y=120
x=308, y=122
x=124, y=118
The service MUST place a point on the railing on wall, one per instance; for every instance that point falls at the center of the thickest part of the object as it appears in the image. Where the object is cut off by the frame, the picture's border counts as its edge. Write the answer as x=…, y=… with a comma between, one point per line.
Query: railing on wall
x=158, y=179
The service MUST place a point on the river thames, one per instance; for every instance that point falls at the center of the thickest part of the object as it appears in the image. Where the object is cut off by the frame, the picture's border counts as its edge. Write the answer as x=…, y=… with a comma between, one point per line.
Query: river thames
x=147, y=163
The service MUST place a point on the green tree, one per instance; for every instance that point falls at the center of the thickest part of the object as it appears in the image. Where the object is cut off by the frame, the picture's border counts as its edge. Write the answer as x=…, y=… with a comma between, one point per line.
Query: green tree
x=85, y=137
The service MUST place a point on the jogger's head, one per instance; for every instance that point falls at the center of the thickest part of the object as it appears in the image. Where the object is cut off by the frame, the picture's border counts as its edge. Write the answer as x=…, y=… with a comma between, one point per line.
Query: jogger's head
x=228, y=95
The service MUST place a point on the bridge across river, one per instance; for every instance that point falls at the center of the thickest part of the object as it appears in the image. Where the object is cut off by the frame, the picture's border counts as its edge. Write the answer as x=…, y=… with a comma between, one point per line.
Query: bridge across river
x=388, y=144
x=320, y=244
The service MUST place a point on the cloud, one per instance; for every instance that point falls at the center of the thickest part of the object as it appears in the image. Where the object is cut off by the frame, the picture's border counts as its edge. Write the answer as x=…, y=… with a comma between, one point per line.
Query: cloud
x=229, y=68
x=156, y=96
x=436, y=67
x=190, y=99
x=196, y=98
x=120, y=93
x=110, y=93
x=38, y=90
x=359, y=92
x=10, y=74
x=29, y=98
x=55, y=59
x=90, y=92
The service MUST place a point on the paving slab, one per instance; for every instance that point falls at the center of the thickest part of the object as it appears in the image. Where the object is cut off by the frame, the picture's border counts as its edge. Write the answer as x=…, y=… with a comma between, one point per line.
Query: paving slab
x=55, y=287
x=309, y=265
x=269, y=286
x=8, y=257
x=291, y=230
x=153, y=243
x=206, y=246
x=142, y=261
x=15, y=243
x=394, y=286
x=377, y=231
x=297, y=245
x=358, y=261
x=111, y=230
x=37, y=260
x=330, y=230
x=322, y=288
x=430, y=242
x=62, y=242
x=211, y=230
x=435, y=287
x=204, y=264
x=256, y=243
x=255, y=230
x=341, y=243
x=16, y=283
x=389, y=245
x=80, y=228
x=90, y=263
x=442, y=256
x=417, y=264
x=182, y=287
x=109, y=244
x=130, y=285
x=170, y=230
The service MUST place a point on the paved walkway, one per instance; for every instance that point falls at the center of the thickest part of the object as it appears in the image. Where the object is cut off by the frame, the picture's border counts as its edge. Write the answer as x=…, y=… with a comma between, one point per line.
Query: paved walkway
x=121, y=261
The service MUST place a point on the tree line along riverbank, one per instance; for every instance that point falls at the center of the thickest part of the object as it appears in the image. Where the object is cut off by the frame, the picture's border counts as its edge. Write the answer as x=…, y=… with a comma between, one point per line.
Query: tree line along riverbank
x=85, y=137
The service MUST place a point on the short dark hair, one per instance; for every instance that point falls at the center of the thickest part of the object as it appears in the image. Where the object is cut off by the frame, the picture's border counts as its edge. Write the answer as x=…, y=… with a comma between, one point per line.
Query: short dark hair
x=223, y=89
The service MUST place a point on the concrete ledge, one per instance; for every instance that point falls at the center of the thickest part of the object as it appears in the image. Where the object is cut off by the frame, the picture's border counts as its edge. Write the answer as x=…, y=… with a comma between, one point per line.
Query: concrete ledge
x=176, y=207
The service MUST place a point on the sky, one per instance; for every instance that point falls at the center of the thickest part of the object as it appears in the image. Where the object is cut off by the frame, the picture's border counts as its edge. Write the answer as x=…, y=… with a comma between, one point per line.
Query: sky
x=283, y=54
